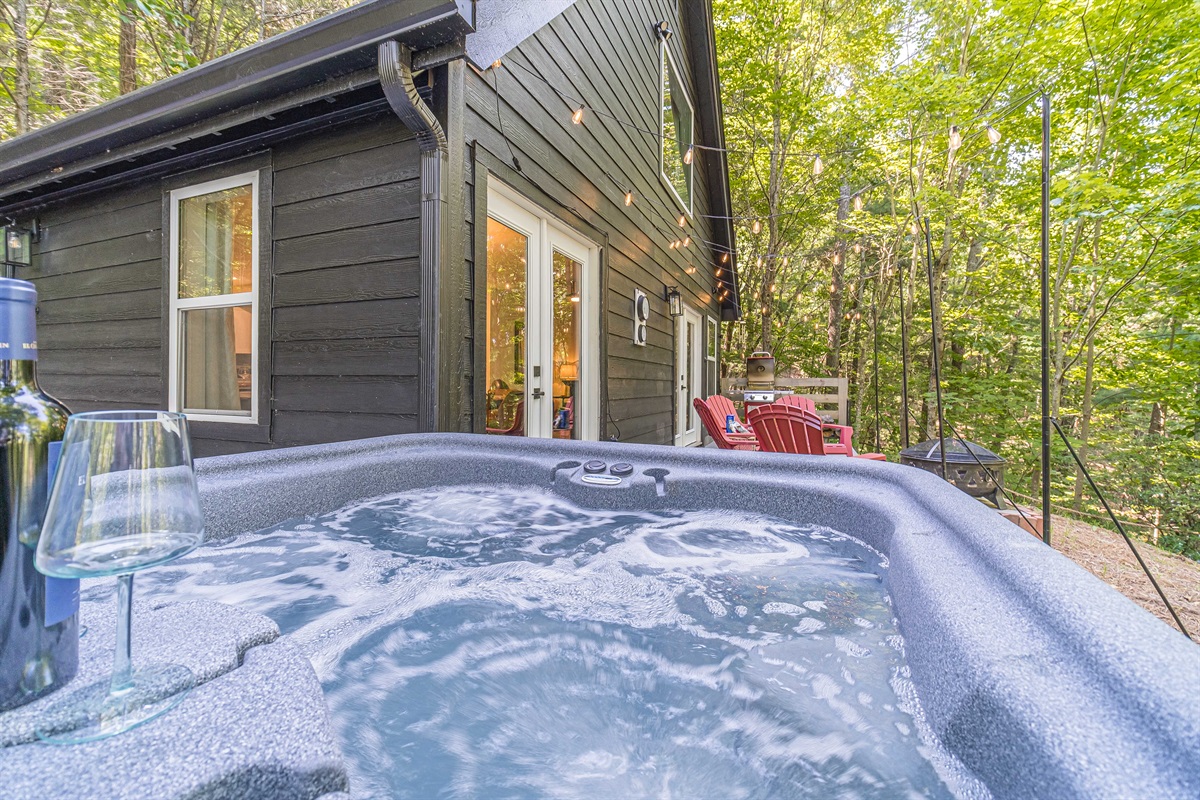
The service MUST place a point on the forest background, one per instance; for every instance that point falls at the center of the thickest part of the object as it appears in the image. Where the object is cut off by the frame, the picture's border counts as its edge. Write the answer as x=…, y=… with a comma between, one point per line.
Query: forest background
x=849, y=123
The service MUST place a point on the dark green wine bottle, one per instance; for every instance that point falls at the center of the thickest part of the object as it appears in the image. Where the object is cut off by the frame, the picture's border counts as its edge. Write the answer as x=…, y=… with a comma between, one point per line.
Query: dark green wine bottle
x=39, y=629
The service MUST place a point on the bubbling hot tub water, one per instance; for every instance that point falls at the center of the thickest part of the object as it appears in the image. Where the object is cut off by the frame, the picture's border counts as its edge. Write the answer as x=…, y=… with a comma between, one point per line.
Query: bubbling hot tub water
x=495, y=642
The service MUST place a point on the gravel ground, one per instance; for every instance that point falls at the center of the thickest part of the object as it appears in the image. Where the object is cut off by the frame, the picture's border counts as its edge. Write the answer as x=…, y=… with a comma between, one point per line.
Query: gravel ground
x=1106, y=555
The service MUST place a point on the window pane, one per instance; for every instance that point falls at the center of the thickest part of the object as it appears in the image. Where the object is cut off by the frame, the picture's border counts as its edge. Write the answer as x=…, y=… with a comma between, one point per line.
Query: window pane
x=217, y=359
x=216, y=235
x=506, y=261
x=568, y=288
x=677, y=131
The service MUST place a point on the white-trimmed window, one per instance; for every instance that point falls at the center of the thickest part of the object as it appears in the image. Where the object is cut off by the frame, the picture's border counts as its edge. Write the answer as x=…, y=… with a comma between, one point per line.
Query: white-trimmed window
x=677, y=124
x=213, y=300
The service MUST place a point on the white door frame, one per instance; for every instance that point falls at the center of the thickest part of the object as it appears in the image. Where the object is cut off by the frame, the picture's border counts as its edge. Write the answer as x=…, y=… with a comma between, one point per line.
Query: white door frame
x=687, y=421
x=546, y=235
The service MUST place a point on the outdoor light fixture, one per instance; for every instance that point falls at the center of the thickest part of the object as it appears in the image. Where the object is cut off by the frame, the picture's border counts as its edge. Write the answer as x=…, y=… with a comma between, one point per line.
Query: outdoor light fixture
x=955, y=138
x=674, y=300
x=858, y=202
x=682, y=220
x=818, y=166
x=725, y=258
x=993, y=135
x=663, y=31
x=577, y=117
x=629, y=198
x=18, y=245
x=690, y=154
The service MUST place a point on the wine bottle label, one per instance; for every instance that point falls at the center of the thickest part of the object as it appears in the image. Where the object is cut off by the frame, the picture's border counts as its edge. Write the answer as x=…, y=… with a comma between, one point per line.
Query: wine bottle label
x=62, y=594
x=18, y=322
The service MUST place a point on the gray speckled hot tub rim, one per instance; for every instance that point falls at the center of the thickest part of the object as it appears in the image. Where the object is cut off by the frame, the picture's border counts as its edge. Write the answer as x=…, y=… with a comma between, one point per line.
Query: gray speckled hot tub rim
x=1038, y=676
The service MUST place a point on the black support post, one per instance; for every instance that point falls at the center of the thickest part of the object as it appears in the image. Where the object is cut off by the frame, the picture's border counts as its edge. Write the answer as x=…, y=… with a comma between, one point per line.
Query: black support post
x=1045, y=317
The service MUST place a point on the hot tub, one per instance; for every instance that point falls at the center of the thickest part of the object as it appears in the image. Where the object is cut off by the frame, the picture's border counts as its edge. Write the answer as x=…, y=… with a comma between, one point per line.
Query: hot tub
x=1034, y=678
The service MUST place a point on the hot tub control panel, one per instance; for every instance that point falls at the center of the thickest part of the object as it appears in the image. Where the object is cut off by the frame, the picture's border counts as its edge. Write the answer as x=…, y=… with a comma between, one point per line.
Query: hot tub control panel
x=598, y=473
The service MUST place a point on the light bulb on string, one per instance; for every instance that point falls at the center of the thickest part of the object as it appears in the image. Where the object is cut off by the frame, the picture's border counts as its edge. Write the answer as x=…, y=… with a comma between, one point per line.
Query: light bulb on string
x=858, y=202
x=724, y=258
x=818, y=166
x=682, y=220
x=772, y=287
x=718, y=272
x=858, y=248
x=629, y=197
x=690, y=270
x=687, y=240
x=690, y=154
x=756, y=227
x=759, y=263
x=994, y=136
x=837, y=258
x=785, y=261
x=577, y=117
x=955, y=138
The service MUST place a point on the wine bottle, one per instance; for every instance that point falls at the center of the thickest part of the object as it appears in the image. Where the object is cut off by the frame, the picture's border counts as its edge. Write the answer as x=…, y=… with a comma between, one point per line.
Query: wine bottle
x=39, y=629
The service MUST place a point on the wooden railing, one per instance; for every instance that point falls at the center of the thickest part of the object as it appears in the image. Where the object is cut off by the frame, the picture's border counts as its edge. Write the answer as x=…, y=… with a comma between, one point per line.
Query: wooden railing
x=831, y=395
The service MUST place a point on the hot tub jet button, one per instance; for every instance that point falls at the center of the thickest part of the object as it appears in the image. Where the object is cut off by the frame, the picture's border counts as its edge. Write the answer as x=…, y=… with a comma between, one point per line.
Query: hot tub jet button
x=594, y=467
x=621, y=469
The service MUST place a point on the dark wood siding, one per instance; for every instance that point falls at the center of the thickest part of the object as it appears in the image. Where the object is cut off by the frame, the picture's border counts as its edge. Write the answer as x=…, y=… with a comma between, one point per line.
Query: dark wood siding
x=342, y=306
x=604, y=53
x=345, y=285
x=99, y=276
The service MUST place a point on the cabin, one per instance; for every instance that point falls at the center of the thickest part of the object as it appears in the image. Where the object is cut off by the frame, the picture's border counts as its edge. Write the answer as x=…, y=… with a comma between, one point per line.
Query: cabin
x=497, y=216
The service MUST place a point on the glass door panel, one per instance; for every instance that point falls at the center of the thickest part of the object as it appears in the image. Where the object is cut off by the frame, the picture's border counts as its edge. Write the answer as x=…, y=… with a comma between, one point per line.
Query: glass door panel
x=507, y=270
x=567, y=293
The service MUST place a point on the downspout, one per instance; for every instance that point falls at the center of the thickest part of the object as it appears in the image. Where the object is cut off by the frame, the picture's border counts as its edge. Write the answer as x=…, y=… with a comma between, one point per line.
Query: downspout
x=396, y=78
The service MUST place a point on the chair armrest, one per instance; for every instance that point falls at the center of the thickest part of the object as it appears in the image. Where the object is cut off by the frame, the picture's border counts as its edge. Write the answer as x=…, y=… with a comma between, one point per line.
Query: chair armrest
x=844, y=432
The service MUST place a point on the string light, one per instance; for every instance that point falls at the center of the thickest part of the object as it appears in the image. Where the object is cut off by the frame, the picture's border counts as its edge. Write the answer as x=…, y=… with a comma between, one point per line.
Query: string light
x=837, y=258
x=858, y=203
x=690, y=154
x=724, y=258
x=577, y=117
x=994, y=136
x=818, y=166
x=760, y=261
x=687, y=240
x=690, y=270
x=756, y=227
x=955, y=138
x=858, y=248
x=718, y=272
x=674, y=244
x=682, y=220
x=629, y=198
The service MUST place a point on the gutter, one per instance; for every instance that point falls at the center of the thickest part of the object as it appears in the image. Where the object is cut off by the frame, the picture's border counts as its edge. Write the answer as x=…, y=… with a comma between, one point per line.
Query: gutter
x=396, y=78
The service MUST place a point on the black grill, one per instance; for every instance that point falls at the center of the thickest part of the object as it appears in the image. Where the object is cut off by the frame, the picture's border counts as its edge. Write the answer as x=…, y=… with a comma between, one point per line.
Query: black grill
x=962, y=468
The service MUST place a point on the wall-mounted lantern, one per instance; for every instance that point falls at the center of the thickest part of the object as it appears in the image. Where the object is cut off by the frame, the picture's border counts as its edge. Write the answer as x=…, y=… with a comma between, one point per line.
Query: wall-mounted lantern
x=18, y=245
x=674, y=300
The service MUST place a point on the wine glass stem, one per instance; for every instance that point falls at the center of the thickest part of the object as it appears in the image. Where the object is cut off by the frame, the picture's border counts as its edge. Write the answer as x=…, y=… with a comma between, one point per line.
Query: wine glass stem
x=122, y=677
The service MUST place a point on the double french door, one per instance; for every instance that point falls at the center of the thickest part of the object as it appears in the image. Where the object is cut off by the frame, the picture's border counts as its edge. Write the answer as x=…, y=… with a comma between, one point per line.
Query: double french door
x=542, y=328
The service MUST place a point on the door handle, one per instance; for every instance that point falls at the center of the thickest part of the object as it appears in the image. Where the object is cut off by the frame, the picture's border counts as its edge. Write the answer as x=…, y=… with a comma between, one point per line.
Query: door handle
x=538, y=393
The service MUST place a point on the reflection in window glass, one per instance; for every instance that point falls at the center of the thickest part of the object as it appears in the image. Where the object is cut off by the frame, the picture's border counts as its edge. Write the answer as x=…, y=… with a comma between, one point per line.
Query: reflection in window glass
x=507, y=257
x=711, y=352
x=568, y=274
x=677, y=134
x=216, y=236
x=217, y=350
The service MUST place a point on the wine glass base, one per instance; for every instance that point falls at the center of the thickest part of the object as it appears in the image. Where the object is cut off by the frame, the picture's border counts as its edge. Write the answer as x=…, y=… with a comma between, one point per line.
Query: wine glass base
x=96, y=712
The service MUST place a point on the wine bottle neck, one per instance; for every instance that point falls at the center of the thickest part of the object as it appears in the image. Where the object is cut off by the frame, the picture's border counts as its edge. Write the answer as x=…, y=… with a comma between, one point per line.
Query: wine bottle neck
x=18, y=374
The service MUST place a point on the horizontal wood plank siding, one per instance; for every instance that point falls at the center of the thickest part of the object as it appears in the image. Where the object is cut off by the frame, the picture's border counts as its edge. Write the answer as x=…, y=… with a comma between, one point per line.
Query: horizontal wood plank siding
x=98, y=271
x=346, y=321
x=604, y=53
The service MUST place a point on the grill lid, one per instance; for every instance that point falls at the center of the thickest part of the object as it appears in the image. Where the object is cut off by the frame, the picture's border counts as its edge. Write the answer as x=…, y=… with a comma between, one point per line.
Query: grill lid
x=956, y=452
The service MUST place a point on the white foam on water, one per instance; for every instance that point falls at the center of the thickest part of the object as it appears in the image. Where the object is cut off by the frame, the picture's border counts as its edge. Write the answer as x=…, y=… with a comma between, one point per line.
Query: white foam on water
x=492, y=640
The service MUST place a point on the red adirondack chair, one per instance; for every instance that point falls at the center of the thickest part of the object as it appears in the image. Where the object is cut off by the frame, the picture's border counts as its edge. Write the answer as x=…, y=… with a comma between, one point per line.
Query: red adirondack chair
x=712, y=415
x=518, y=424
x=786, y=428
x=844, y=432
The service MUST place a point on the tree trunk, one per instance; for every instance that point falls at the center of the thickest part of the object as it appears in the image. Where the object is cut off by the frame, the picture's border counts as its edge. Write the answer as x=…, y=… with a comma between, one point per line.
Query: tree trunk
x=22, y=90
x=127, y=50
x=1085, y=421
x=1158, y=422
x=833, y=354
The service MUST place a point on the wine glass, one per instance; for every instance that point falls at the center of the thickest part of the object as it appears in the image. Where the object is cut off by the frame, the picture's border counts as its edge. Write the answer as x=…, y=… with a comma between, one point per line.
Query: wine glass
x=124, y=499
